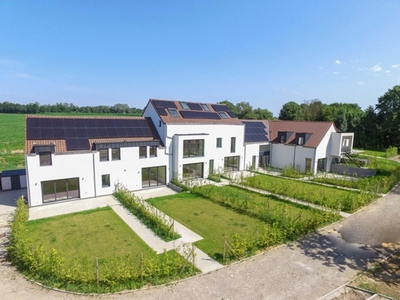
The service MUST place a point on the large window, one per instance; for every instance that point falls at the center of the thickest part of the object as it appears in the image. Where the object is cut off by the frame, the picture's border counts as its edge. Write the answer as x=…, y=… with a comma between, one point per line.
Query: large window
x=105, y=180
x=211, y=167
x=219, y=142
x=153, y=151
x=233, y=144
x=55, y=190
x=192, y=171
x=142, y=151
x=116, y=153
x=231, y=163
x=45, y=159
x=193, y=148
x=103, y=154
x=153, y=176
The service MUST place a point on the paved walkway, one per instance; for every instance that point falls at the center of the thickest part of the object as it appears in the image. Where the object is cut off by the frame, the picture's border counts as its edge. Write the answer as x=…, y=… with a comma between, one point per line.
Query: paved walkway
x=202, y=261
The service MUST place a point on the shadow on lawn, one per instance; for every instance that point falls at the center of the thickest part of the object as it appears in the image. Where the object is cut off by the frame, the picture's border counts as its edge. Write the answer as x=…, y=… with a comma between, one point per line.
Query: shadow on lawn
x=333, y=251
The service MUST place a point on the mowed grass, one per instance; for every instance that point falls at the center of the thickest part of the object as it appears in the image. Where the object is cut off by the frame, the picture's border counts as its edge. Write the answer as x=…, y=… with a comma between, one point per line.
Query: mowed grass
x=12, y=136
x=209, y=220
x=85, y=235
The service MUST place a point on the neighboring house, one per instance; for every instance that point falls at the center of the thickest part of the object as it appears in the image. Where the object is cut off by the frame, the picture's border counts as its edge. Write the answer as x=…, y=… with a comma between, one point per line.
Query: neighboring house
x=81, y=157
x=310, y=146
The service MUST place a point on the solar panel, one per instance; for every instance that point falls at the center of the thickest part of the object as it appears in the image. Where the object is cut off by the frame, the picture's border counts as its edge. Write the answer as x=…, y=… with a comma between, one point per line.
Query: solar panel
x=220, y=107
x=58, y=133
x=33, y=133
x=162, y=111
x=164, y=104
x=187, y=114
x=77, y=144
x=194, y=106
x=47, y=133
x=255, y=132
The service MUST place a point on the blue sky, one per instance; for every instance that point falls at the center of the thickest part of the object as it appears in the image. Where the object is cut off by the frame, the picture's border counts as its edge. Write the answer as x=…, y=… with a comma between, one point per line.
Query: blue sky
x=263, y=52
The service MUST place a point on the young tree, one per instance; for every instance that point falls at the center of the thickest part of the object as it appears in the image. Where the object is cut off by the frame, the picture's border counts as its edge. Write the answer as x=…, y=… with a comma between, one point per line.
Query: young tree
x=290, y=111
x=388, y=111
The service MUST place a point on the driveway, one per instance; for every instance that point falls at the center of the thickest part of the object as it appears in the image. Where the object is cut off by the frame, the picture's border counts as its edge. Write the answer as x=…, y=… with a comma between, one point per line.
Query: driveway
x=306, y=269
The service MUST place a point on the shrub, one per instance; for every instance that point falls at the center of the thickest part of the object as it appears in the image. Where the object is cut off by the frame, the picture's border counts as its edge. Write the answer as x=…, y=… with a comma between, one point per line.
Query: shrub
x=391, y=152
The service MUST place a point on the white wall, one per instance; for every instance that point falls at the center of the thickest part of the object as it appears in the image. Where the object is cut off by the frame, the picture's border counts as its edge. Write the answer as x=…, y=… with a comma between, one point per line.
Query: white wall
x=281, y=155
x=177, y=133
x=324, y=149
x=301, y=154
x=63, y=166
x=6, y=183
x=127, y=171
x=250, y=151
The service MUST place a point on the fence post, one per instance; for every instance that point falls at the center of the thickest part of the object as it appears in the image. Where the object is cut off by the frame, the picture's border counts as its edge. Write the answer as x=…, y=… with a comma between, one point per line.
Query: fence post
x=223, y=256
x=193, y=256
x=97, y=271
x=141, y=265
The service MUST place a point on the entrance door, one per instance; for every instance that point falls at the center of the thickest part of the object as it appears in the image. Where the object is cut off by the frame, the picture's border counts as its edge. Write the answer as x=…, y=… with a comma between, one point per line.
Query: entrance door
x=15, y=182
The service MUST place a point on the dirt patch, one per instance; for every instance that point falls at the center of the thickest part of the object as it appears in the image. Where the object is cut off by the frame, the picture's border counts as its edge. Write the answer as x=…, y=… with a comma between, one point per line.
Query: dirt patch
x=353, y=295
x=19, y=151
x=383, y=278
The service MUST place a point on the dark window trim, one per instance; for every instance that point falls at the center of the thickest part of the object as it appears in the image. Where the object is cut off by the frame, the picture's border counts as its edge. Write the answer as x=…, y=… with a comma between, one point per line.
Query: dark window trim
x=107, y=182
x=233, y=144
x=102, y=150
x=112, y=154
x=173, y=112
x=196, y=145
x=145, y=152
x=45, y=162
x=219, y=142
x=155, y=151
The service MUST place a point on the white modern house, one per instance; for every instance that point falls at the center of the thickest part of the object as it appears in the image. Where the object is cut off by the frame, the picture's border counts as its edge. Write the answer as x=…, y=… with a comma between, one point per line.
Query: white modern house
x=82, y=157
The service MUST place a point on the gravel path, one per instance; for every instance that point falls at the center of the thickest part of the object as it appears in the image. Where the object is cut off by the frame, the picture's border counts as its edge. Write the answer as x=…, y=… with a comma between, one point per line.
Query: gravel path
x=307, y=269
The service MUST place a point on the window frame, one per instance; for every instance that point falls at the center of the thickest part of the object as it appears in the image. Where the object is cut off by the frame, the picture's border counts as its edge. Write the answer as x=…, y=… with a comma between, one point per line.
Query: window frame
x=184, y=105
x=233, y=144
x=219, y=142
x=113, y=152
x=140, y=151
x=153, y=148
x=43, y=162
x=193, y=148
x=101, y=154
x=205, y=107
x=105, y=180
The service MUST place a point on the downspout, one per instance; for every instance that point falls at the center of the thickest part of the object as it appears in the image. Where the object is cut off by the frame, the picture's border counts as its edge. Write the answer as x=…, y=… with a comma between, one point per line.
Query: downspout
x=315, y=157
x=94, y=175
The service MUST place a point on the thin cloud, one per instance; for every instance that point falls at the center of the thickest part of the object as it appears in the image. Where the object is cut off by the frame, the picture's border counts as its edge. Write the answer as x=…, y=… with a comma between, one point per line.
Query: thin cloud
x=361, y=83
x=387, y=72
x=338, y=62
x=377, y=68
x=22, y=75
x=335, y=73
x=396, y=66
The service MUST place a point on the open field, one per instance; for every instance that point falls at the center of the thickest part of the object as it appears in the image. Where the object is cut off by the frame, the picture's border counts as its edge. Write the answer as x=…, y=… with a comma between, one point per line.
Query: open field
x=12, y=138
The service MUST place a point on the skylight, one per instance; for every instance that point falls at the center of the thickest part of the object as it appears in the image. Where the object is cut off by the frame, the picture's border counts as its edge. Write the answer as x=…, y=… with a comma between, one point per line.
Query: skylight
x=184, y=105
x=173, y=112
x=205, y=107
x=223, y=115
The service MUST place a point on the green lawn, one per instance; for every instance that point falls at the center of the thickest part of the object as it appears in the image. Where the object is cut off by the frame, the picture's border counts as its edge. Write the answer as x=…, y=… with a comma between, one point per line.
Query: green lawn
x=208, y=219
x=94, y=233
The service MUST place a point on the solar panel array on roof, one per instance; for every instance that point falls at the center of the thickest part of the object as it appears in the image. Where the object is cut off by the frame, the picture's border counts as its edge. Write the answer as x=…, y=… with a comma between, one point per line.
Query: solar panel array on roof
x=220, y=107
x=255, y=132
x=164, y=104
x=188, y=114
x=77, y=131
x=194, y=106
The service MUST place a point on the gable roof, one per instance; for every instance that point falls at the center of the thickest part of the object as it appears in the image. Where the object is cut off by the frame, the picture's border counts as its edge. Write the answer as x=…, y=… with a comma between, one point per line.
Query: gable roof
x=184, y=112
x=71, y=134
x=317, y=131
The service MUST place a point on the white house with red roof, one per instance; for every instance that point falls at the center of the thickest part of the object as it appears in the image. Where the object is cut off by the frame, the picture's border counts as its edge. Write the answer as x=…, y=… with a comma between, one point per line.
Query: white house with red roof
x=80, y=157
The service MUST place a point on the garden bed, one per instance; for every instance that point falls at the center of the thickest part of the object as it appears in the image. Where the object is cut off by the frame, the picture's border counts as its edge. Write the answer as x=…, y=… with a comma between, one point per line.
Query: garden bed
x=330, y=197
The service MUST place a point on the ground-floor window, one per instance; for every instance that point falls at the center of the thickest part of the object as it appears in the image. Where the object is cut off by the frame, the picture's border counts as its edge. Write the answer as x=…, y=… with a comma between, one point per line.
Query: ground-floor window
x=105, y=180
x=231, y=163
x=191, y=171
x=153, y=176
x=308, y=165
x=321, y=164
x=211, y=167
x=55, y=190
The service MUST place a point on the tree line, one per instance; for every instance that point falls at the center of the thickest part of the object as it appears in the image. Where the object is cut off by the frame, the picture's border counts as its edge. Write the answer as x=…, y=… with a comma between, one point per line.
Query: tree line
x=376, y=128
x=36, y=108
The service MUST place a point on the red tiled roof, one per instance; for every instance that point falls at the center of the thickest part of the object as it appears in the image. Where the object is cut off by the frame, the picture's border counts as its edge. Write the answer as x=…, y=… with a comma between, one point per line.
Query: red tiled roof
x=317, y=130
